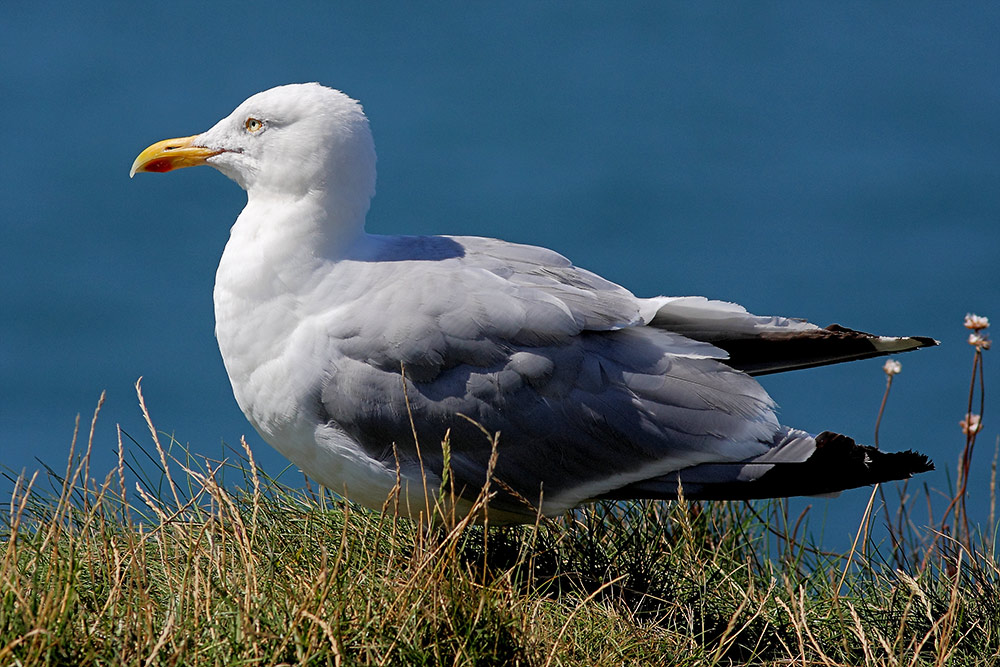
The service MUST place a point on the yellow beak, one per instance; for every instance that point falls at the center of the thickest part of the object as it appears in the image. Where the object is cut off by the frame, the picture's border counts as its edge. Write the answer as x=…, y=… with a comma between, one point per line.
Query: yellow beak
x=171, y=154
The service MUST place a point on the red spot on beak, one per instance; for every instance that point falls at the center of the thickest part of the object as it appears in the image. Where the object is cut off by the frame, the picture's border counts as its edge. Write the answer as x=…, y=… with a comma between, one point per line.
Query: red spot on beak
x=159, y=166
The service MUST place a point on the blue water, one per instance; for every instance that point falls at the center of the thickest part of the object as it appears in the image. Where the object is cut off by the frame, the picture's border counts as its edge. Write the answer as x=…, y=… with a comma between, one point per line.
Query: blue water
x=835, y=161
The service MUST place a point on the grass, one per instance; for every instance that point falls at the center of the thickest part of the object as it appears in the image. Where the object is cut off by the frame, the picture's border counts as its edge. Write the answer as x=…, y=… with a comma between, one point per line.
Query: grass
x=172, y=561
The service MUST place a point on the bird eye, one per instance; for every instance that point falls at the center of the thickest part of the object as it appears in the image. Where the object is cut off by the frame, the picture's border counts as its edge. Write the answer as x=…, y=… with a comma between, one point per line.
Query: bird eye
x=253, y=125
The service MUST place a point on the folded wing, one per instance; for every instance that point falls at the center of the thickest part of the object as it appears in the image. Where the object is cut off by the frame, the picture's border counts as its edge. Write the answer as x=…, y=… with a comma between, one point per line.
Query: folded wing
x=594, y=392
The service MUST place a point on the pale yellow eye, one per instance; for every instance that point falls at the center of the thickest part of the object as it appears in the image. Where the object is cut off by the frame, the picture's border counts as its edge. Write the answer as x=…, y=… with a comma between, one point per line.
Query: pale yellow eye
x=253, y=125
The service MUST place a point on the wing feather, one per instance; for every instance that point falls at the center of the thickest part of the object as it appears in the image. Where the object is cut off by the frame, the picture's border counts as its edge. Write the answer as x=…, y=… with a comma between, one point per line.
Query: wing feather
x=554, y=358
x=591, y=389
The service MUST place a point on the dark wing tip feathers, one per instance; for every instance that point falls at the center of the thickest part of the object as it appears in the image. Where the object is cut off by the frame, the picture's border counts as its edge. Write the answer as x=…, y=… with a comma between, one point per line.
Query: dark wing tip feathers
x=841, y=450
x=776, y=352
x=925, y=341
x=839, y=463
x=913, y=342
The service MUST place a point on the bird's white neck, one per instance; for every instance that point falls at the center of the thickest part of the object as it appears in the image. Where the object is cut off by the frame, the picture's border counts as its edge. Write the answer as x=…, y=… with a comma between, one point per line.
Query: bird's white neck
x=276, y=236
x=278, y=252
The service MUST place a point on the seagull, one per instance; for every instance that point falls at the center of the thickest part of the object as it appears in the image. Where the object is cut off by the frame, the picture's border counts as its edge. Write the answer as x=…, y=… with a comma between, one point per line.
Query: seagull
x=384, y=365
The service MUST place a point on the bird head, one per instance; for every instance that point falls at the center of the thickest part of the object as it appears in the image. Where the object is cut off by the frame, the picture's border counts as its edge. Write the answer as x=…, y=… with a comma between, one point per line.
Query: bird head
x=288, y=141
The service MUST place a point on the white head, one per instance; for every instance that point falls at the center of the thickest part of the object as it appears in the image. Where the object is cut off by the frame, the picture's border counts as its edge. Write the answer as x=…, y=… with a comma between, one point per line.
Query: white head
x=289, y=141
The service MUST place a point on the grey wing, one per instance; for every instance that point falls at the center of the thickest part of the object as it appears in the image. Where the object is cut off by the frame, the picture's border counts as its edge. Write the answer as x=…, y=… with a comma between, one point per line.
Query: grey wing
x=586, y=397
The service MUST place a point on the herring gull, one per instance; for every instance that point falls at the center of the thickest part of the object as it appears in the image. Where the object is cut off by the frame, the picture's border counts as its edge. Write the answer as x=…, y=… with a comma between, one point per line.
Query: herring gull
x=355, y=355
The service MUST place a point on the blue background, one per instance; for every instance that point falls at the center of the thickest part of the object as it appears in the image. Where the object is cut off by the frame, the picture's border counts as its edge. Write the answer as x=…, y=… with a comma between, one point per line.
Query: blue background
x=834, y=161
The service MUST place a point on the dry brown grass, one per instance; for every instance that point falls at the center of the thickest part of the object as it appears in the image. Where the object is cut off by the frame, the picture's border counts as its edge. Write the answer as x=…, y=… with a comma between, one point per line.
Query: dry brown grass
x=182, y=566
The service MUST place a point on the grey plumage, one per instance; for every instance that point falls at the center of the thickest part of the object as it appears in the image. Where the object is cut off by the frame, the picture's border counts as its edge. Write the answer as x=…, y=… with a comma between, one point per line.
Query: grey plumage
x=585, y=394
x=355, y=355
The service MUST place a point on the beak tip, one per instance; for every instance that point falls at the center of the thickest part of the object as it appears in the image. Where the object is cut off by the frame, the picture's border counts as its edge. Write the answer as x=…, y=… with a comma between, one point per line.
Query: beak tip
x=137, y=166
x=171, y=154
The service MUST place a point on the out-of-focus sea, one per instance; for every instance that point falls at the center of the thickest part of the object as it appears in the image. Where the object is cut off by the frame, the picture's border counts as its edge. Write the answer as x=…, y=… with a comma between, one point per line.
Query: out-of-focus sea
x=834, y=161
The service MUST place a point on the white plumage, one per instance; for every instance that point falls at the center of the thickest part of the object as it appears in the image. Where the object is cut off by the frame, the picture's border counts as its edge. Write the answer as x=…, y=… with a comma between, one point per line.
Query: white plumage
x=595, y=392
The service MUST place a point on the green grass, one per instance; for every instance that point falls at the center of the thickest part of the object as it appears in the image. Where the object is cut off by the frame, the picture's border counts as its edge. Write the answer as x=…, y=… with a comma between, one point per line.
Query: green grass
x=183, y=565
x=191, y=571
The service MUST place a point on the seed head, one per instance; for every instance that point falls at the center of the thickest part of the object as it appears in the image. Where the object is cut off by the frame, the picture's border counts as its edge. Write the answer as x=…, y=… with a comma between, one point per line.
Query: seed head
x=976, y=322
x=979, y=340
x=971, y=424
x=892, y=367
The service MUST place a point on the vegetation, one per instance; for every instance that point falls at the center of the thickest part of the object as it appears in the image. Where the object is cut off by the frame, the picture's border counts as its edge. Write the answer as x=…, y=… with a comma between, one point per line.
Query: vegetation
x=187, y=567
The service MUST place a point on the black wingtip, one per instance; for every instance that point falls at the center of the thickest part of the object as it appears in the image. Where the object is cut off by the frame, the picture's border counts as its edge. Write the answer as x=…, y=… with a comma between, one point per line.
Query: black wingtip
x=920, y=462
x=862, y=465
x=926, y=341
x=838, y=464
x=772, y=352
